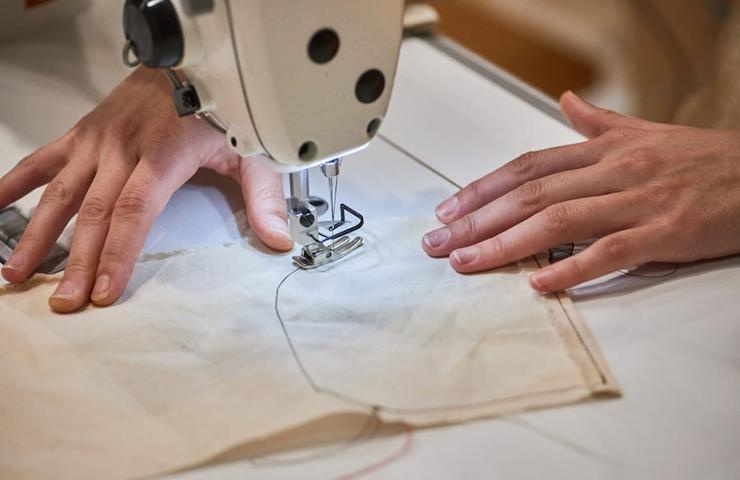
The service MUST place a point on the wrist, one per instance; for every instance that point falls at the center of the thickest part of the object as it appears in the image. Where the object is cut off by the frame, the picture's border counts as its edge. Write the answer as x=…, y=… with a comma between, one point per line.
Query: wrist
x=153, y=78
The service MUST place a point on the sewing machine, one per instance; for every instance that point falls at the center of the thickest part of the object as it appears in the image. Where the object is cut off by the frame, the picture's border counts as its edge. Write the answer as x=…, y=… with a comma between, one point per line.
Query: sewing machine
x=462, y=117
x=303, y=84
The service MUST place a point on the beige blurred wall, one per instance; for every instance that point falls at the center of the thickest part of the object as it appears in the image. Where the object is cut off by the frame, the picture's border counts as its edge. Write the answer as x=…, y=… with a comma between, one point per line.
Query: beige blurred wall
x=640, y=56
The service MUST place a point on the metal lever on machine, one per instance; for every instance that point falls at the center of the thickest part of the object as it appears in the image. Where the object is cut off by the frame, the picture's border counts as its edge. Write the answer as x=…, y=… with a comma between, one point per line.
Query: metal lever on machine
x=343, y=210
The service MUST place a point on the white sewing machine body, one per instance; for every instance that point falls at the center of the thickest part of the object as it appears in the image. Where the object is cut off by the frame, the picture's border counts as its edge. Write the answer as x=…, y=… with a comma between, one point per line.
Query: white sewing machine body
x=301, y=82
x=304, y=83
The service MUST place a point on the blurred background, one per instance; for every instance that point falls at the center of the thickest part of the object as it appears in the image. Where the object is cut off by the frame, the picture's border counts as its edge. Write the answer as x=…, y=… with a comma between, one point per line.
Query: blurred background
x=643, y=57
x=658, y=59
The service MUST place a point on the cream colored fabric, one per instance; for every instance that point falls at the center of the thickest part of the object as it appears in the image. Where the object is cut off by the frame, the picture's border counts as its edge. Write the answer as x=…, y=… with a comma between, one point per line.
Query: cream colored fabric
x=194, y=360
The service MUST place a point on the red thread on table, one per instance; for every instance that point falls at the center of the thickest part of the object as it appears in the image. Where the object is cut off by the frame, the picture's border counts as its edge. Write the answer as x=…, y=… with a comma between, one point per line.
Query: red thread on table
x=381, y=464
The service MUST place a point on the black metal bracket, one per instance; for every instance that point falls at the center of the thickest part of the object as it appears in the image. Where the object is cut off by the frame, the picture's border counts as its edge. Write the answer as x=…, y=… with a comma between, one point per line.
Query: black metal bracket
x=343, y=210
x=186, y=100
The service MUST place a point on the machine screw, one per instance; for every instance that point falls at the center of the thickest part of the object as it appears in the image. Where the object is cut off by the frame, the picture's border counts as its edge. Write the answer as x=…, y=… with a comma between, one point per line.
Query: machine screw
x=307, y=219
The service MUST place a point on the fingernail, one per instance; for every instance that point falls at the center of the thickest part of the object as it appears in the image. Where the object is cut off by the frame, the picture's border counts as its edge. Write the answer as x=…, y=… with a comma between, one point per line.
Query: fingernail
x=66, y=289
x=102, y=287
x=466, y=255
x=436, y=238
x=280, y=226
x=15, y=262
x=447, y=208
x=541, y=279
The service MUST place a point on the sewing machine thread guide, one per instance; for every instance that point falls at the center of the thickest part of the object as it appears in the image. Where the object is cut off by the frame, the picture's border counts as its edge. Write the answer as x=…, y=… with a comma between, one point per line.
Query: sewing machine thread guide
x=343, y=211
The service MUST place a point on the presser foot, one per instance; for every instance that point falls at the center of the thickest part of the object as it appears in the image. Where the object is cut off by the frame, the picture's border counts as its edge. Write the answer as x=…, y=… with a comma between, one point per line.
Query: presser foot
x=317, y=254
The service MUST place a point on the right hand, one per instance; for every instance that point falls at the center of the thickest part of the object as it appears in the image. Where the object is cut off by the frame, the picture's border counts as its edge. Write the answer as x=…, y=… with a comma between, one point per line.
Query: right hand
x=649, y=192
x=117, y=168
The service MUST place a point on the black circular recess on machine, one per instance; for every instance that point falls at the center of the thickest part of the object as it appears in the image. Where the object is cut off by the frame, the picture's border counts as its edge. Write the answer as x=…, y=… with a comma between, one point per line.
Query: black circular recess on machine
x=370, y=86
x=324, y=46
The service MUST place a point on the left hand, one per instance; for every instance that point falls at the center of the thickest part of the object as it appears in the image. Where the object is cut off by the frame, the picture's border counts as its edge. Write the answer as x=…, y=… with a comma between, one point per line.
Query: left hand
x=647, y=191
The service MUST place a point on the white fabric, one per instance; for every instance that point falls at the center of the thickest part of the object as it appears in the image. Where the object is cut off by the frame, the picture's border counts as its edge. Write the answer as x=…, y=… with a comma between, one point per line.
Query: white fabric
x=194, y=361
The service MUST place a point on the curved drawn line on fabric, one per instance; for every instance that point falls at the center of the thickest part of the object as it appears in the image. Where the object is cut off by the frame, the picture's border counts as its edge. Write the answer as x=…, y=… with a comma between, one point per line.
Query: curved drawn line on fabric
x=557, y=254
x=562, y=306
x=367, y=431
x=673, y=270
x=418, y=410
x=381, y=464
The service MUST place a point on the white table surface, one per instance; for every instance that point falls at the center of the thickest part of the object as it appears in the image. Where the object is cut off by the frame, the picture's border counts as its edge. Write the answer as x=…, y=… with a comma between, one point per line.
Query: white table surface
x=672, y=343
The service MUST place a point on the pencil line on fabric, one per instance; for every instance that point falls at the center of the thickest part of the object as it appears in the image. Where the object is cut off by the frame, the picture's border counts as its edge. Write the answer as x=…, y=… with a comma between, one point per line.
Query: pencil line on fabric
x=384, y=462
x=419, y=161
x=560, y=253
x=407, y=410
x=375, y=409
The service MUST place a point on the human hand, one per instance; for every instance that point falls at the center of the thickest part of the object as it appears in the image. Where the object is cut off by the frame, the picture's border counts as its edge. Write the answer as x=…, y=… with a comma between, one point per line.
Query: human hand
x=118, y=167
x=647, y=191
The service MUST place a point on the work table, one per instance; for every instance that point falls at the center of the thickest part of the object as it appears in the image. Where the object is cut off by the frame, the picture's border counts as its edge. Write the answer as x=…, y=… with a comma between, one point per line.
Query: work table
x=671, y=341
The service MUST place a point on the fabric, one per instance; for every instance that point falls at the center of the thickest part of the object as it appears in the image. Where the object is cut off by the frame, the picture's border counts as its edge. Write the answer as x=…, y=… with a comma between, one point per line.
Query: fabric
x=205, y=353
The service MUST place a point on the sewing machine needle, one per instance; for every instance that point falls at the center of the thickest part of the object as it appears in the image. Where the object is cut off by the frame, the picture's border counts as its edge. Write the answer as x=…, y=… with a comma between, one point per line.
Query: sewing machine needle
x=331, y=172
x=333, y=200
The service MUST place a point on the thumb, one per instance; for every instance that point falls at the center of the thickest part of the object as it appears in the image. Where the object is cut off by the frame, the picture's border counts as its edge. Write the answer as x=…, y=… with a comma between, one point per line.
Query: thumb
x=589, y=120
x=592, y=121
x=267, y=213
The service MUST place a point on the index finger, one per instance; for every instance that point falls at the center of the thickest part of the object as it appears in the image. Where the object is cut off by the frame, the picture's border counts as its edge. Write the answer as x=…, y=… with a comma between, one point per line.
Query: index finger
x=525, y=168
x=35, y=170
x=562, y=223
x=141, y=201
